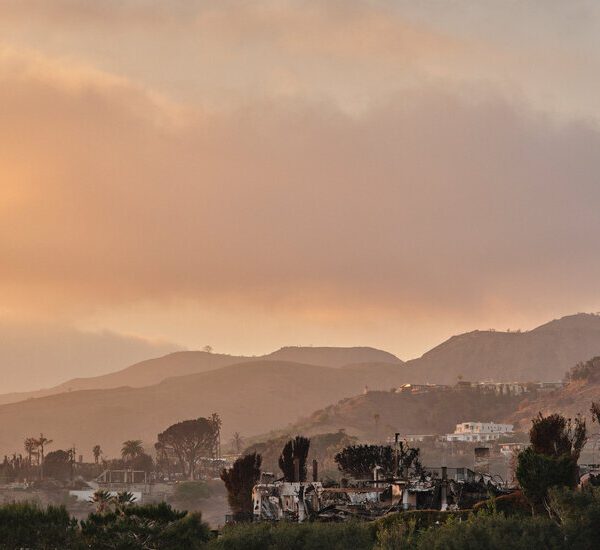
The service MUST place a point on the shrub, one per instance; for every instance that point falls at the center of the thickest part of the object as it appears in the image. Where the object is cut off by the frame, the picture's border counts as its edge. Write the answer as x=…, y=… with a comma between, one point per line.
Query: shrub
x=493, y=532
x=296, y=536
x=25, y=525
x=155, y=526
x=537, y=473
x=191, y=491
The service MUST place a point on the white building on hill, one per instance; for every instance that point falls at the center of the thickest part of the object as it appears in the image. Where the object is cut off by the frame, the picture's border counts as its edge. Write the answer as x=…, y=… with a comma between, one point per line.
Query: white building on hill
x=479, y=431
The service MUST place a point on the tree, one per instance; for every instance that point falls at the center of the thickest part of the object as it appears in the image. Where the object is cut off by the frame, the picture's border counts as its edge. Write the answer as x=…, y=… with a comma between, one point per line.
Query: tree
x=237, y=442
x=96, y=451
x=551, y=461
x=294, y=449
x=131, y=449
x=58, y=464
x=359, y=461
x=102, y=499
x=142, y=462
x=190, y=440
x=122, y=500
x=41, y=443
x=555, y=435
x=155, y=526
x=595, y=411
x=207, y=349
x=27, y=525
x=216, y=420
x=239, y=481
x=30, y=445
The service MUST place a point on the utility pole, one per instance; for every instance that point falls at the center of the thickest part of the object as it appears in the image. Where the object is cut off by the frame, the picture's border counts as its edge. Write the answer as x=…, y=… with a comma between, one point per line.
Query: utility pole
x=396, y=455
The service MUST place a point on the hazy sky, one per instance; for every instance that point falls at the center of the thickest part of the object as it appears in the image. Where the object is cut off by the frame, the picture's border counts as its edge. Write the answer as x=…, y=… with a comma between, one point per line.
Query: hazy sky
x=255, y=174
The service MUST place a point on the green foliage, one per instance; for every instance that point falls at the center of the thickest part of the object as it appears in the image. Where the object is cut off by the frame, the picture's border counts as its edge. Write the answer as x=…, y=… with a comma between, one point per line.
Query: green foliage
x=421, y=519
x=555, y=436
x=155, y=526
x=239, y=481
x=296, y=536
x=294, y=449
x=25, y=525
x=323, y=448
x=578, y=513
x=131, y=448
x=509, y=505
x=491, y=532
x=551, y=461
x=191, y=439
x=58, y=464
x=537, y=473
x=359, y=461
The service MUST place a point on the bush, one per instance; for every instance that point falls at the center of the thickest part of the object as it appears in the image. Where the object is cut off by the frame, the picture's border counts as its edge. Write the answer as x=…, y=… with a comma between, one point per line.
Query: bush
x=579, y=515
x=537, y=473
x=25, y=525
x=190, y=492
x=493, y=532
x=296, y=536
x=421, y=519
x=589, y=371
x=509, y=505
x=155, y=526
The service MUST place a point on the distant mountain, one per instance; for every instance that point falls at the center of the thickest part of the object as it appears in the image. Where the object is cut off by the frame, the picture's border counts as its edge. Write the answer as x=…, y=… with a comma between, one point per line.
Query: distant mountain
x=252, y=398
x=333, y=357
x=544, y=353
x=144, y=373
x=153, y=371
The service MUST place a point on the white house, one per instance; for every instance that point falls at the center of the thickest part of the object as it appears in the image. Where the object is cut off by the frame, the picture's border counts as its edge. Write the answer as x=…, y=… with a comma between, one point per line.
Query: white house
x=479, y=431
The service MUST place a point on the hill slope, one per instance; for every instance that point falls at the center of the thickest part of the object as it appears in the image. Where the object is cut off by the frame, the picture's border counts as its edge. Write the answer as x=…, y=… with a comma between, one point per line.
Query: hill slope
x=333, y=357
x=153, y=371
x=576, y=398
x=544, y=353
x=253, y=397
x=377, y=415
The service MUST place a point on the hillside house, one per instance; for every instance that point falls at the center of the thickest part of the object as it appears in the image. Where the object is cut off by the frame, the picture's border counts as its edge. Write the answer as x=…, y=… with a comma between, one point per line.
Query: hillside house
x=479, y=431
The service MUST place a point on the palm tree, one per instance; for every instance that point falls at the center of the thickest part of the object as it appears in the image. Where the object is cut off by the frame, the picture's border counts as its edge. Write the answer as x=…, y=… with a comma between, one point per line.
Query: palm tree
x=132, y=448
x=30, y=445
x=122, y=501
x=96, y=451
x=102, y=499
x=237, y=440
x=41, y=442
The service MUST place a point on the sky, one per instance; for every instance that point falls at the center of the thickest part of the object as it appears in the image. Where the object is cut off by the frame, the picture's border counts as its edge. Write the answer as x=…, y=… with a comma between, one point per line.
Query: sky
x=249, y=175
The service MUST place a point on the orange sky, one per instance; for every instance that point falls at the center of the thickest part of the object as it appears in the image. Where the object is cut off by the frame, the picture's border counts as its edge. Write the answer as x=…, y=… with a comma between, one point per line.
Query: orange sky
x=251, y=175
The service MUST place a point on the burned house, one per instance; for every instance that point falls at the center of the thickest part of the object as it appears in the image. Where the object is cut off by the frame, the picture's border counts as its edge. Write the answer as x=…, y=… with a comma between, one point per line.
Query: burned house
x=433, y=489
x=296, y=501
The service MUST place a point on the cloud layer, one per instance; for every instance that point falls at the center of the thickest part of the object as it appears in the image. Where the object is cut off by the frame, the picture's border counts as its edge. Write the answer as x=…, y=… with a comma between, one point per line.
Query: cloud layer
x=430, y=193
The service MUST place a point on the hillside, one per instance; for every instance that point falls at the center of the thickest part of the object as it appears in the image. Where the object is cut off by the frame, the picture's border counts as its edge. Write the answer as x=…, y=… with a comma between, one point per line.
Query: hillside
x=576, y=398
x=544, y=353
x=153, y=371
x=333, y=356
x=252, y=398
x=376, y=415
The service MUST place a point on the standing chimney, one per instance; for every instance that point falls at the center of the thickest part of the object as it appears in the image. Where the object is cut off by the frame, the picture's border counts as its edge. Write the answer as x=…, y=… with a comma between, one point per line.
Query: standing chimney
x=296, y=469
x=315, y=470
x=444, y=490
